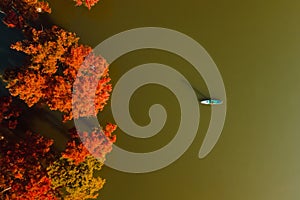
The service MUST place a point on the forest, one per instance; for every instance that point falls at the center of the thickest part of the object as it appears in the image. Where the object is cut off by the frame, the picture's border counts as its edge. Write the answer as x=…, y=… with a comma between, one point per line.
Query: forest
x=49, y=58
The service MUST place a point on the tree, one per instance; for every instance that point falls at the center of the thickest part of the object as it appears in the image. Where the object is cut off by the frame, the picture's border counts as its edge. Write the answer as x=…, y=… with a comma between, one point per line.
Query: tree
x=55, y=59
x=87, y=3
x=77, y=182
x=19, y=12
x=8, y=113
x=30, y=168
x=74, y=172
x=27, y=84
x=97, y=143
x=46, y=49
x=95, y=94
x=13, y=20
x=23, y=174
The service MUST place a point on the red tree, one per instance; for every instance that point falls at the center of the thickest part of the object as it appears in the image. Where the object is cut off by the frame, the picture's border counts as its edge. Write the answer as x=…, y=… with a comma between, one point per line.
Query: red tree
x=18, y=12
x=8, y=113
x=23, y=174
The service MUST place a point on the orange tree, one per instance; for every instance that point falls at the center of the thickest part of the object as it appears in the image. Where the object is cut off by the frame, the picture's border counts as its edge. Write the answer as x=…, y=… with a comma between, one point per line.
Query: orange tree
x=30, y=167
x=54, y=59
x=97, y=143
x=87, y=3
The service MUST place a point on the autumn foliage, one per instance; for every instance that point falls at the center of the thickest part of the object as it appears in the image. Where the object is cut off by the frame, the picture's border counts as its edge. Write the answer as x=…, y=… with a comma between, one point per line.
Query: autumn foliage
x=54, y=60
x=87, y=3
x=97, y=143
x=8, y=113
x=67, y=77
x=22, y=170
x=78, y=182
x=31, y=169
x=19, y=12
x=84, y=155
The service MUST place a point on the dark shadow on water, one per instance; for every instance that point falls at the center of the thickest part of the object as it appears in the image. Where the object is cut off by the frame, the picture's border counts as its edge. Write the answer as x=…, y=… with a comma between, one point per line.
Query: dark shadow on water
x=46, y=123
x=9, y=58
x=200, y=95
x=37, y=118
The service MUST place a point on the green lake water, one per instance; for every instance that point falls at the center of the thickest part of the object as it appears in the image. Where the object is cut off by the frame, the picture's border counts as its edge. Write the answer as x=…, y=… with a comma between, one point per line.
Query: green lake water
x=256, y=46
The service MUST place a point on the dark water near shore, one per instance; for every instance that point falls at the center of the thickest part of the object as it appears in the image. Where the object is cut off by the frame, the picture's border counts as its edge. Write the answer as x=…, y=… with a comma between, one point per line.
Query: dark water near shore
x=256, y=46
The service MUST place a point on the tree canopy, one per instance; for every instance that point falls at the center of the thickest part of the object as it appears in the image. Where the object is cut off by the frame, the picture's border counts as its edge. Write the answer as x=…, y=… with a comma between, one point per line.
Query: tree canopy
x=55, y=59
x=31, y=168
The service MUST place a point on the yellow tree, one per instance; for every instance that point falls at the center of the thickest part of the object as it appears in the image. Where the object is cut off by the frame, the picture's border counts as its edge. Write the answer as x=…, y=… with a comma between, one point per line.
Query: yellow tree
x=74, y=173
x=76, y=182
